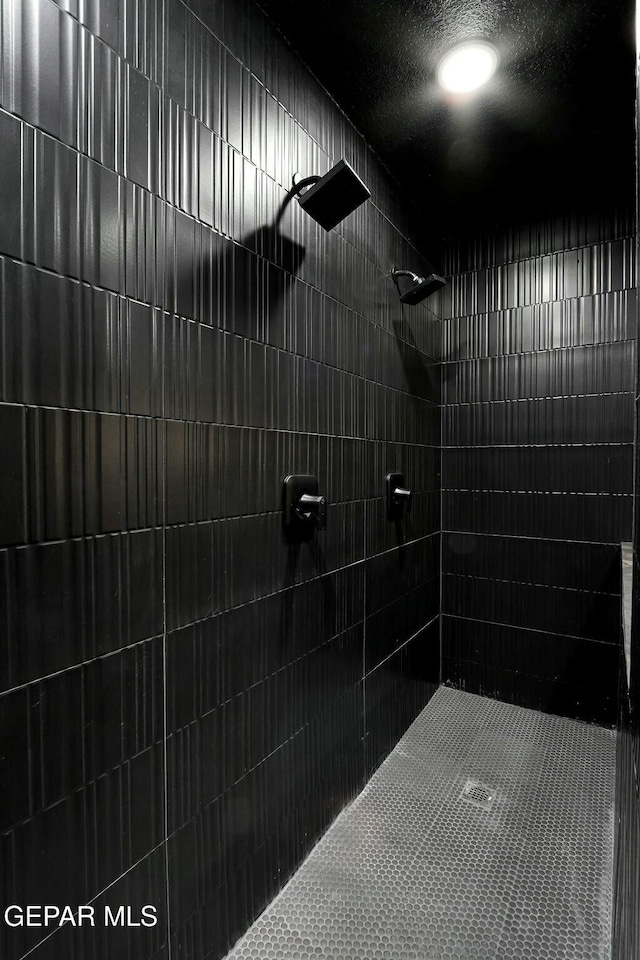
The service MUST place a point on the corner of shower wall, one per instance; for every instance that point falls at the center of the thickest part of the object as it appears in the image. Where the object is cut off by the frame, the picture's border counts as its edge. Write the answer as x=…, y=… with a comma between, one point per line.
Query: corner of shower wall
x=537, y=461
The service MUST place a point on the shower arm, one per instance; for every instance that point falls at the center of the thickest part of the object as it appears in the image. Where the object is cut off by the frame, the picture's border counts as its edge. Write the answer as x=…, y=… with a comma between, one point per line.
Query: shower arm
x=305, y=182
x=405, y=273
x=295, y=189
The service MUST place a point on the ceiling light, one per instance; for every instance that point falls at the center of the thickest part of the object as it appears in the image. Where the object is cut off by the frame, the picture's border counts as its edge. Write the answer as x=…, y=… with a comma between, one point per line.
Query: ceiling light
x=467, y=67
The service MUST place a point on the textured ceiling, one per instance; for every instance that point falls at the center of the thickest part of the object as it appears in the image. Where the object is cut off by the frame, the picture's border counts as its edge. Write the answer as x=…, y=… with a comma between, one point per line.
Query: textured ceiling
x=553, y=131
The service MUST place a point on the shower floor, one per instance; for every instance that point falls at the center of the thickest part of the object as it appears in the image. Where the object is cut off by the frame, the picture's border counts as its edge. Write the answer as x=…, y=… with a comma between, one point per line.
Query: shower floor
x=411, y=871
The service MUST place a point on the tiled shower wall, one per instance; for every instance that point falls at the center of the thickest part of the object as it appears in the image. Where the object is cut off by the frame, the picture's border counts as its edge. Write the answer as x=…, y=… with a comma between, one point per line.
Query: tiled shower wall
x=537, y=462
x=187, y=701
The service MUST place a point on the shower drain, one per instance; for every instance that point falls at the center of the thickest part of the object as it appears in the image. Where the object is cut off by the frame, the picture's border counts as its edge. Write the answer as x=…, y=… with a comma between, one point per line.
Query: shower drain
x=478, y=794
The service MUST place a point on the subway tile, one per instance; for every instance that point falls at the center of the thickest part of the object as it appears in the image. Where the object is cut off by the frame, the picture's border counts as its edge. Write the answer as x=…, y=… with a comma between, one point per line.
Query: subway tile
x=397, y=690
x=596, y=369
x=142, y=376
x=103, y=18
x=12, y=482
x=57, y=243
x=59, y=862
x=141, y=32
x=56, y=727
x=90, y=473
x=142, y=139
x=588, y=704
x=535, y=653
x=17, y=765
x=588, y=517
x=397, y=572
x=393, y=625
x=593, y=319
x=576, y=613
x=40, y=52
x=519, y=241
x=72, y=600
x=422, y=520
x=192, y=588
x=592, y=567
x=122, y=713
x=48, y=855
x=590, y=419
x=64, y=341
x=11, y=186
x=144, y=884
x=560, y=469
x=597, y=268
x=100, y=102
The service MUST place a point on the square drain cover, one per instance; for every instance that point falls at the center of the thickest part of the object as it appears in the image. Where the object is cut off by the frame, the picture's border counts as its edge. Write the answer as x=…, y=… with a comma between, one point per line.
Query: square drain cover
x=478, y=794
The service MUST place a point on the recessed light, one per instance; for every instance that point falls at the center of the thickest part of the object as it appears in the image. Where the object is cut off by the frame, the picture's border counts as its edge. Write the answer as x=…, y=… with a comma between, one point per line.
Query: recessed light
x=467, y=67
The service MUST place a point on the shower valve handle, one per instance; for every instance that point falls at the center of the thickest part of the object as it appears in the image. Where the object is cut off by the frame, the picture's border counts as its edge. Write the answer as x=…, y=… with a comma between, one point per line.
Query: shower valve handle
x=402, y=496
x=310, y=507
x=303, y=509
x=398, y=496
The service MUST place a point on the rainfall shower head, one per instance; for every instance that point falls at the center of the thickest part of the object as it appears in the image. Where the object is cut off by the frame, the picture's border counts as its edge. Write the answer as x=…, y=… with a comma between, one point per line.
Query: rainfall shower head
x=334, y=196
x=417, y=288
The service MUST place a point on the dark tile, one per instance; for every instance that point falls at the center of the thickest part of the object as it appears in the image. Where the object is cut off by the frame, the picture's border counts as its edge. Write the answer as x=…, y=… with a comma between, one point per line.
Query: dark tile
x=395, y=573
x=176, y=34
x=397, y=690
x=600, y=368
x=56, y=719
x=58, y=235
x=601, y=517
x=16, y=758
x=123, y=706
x=234, y=78
x=578, y=613
x=390, y=627
x=562, y=699
x=12, y=481
x=102, y=239
x=128, y=901
x=535, y=469
x=589, y=419
x=564, y=675
x=593, y=567
x=48, y=866
x=143, y=377
x=39, y=76
x=10, y=185
x=101, y=98
x=192, y=586
x=142, y=140
x=64, y=347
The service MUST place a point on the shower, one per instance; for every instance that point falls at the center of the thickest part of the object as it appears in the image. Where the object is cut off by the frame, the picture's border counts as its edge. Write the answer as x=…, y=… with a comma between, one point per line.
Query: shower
x=417, y=288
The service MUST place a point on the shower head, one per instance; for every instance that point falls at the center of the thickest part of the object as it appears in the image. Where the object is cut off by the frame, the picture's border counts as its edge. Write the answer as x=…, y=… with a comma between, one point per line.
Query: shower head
x=419, y=287
x=334, y=196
